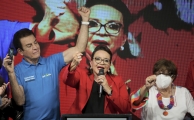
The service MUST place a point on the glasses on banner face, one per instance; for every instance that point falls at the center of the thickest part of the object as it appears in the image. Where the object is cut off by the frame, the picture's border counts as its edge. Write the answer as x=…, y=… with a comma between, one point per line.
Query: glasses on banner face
x=99, y=60
x=110, y=27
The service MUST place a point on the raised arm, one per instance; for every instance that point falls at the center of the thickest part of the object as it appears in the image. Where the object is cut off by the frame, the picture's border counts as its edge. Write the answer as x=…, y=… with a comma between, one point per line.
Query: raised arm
x=149, y=82
x=17, y=90
x=82, y=37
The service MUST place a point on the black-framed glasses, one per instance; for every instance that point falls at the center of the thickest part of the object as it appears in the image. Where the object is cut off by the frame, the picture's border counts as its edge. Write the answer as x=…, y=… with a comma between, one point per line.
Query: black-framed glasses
x=99, y=60
x=110, y=27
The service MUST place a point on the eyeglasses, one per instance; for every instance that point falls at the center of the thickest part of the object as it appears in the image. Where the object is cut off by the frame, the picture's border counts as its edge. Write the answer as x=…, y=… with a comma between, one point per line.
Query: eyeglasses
x=110, y=27
x=99, y=60
x=164, y=73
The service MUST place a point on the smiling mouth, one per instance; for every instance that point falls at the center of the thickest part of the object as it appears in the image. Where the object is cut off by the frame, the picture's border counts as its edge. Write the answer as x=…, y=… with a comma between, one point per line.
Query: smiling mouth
x=100, y=42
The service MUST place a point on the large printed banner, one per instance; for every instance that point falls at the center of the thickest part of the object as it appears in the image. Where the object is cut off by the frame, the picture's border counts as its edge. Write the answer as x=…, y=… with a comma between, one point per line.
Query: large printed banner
x=138, y=36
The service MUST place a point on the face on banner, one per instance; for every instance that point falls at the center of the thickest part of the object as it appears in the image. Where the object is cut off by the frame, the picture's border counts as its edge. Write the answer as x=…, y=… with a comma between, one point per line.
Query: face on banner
x=106, y=27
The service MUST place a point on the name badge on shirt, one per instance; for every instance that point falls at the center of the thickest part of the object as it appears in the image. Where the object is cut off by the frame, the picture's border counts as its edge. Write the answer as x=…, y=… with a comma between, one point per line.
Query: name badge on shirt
x=46, y=75
x=30, y=78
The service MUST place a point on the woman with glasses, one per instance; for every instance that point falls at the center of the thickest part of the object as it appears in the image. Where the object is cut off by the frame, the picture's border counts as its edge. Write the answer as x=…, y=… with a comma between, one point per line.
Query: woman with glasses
x=160, y=98
x=90, y=83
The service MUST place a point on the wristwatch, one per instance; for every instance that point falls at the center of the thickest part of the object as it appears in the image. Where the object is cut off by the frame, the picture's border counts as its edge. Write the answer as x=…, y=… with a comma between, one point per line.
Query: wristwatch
x=85, y=23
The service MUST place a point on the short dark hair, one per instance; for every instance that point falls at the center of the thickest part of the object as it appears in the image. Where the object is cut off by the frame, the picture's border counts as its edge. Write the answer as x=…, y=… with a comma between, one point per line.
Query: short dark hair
x=163, y=65
x=117, y=4
x=20, y=34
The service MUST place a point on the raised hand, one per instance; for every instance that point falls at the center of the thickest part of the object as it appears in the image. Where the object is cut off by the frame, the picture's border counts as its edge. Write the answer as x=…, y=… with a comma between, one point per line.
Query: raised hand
x=84, y=12
x=150, y=81
x=6, y=61
x=76, y=60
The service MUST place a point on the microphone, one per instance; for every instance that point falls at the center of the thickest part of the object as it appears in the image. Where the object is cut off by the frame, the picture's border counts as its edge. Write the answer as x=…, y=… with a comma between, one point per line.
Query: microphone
x=101, y=72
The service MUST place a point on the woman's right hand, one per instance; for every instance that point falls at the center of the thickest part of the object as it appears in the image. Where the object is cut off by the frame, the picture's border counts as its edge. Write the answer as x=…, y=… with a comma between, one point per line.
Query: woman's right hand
x=150, y=81
x=75, y=62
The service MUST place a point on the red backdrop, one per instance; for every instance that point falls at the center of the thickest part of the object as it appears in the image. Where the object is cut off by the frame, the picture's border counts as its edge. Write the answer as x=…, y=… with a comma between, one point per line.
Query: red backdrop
x=156, y=42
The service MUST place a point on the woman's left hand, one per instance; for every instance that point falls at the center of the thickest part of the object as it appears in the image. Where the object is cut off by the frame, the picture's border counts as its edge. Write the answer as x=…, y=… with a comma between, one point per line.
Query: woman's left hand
x=101, y=79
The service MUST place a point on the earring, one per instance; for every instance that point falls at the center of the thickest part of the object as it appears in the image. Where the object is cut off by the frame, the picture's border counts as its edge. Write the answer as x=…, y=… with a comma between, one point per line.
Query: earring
x=90, y=70
x=121, y=48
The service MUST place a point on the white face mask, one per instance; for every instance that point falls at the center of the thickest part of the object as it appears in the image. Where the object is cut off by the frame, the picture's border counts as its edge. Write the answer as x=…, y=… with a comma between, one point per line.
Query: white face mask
x=163, y=81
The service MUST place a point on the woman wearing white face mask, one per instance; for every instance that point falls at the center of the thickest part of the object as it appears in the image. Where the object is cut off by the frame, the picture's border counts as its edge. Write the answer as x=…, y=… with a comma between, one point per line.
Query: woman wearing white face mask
x=160, y=98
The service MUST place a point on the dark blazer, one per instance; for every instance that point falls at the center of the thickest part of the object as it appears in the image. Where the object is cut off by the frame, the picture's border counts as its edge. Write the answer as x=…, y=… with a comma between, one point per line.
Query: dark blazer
x=79, y=79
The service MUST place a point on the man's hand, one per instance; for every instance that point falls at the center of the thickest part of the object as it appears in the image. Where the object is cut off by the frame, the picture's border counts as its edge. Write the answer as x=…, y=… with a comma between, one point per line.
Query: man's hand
x=6, y=61
x=85, y=13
